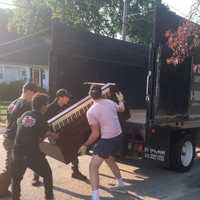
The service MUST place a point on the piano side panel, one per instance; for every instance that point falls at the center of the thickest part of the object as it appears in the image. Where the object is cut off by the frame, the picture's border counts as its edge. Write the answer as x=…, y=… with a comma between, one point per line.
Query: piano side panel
x=52, y=150
x=70, y=140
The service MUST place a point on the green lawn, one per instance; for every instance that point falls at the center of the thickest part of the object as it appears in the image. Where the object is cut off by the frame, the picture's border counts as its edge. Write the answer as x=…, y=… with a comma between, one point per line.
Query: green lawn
x=3, y=112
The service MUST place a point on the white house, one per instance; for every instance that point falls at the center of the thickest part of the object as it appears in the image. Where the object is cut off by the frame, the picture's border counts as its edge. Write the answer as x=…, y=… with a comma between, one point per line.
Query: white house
x=24, y=58
x=40, y=75
x=9, y=73
x=37, y=74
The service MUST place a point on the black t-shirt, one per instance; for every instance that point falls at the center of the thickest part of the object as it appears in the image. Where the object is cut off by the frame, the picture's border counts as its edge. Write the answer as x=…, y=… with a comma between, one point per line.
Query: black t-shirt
x=31, y=127
x=15, y=110
x=53, y=109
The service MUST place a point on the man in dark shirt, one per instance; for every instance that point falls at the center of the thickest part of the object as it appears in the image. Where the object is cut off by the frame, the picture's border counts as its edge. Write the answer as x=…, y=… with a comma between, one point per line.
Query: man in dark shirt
x=15, y=110
x=31, y=129
x=58, y=105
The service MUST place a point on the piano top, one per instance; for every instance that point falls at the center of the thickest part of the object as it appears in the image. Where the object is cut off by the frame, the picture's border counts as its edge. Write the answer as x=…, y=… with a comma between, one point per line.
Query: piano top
x=76, y=105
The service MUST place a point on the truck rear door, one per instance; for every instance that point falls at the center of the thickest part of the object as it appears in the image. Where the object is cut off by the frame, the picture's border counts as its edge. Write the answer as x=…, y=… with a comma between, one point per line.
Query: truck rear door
x=169, y=85
x=194, y=106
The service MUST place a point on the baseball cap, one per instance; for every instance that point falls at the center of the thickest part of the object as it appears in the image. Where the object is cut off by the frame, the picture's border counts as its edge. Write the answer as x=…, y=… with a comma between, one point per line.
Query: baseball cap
x=63, y=92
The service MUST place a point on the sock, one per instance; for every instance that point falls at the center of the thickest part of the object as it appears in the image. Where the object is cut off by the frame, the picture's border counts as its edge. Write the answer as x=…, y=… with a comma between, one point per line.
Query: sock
x=120, y=182
x=95, y=195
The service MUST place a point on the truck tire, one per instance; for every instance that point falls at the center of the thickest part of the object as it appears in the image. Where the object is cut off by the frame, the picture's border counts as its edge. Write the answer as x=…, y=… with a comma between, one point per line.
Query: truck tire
x=183, y=153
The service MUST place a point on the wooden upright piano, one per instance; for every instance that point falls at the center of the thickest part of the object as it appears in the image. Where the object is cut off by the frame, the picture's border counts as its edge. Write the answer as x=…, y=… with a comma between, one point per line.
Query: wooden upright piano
x=73, y=127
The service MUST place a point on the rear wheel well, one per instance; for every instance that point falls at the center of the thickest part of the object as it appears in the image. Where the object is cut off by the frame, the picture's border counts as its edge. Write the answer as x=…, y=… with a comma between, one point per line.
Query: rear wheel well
x=177, y=134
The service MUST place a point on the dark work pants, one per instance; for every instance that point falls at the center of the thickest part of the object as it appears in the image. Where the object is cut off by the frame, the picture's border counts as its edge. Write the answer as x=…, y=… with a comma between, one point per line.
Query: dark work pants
x=75, y=169
x=38, y=163
x=5, y=175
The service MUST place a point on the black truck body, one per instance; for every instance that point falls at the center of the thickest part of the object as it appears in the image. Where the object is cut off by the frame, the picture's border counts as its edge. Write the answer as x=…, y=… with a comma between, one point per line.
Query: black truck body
x=164, y=99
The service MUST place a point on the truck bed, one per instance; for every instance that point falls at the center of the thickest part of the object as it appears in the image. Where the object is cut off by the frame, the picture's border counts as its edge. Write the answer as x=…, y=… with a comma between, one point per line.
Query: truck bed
x=136, y=123
x=137, y=116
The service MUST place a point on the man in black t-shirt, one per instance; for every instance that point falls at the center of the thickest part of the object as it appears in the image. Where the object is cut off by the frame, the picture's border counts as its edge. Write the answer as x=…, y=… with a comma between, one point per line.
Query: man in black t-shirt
x=15, y=110
x=31, y=129
x=60, y=103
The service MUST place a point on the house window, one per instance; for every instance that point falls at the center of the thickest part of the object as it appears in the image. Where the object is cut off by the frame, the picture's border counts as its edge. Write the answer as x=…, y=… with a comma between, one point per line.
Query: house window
x=36, y=76
x=1, y=73
x=24, y=75
x=23, y=72
x=43, y=75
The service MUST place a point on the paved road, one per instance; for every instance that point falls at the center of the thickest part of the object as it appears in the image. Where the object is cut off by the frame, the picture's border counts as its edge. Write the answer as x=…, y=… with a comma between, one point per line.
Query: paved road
x=144, y=181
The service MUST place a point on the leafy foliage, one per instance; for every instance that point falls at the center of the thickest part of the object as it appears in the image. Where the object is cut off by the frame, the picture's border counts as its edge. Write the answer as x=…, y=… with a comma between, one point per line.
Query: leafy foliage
x=5, y=17
x=195, y=11
x=183, y=42
x=31, y=16
x=10, y=91
x=99, y=16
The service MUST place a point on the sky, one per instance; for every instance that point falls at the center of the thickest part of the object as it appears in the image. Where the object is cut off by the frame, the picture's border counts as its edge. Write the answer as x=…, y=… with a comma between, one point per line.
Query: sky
x=6, y=4
x=181, y=7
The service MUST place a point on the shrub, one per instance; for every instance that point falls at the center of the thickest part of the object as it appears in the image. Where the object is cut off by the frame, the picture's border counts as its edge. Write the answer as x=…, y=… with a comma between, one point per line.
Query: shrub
x=10, y=91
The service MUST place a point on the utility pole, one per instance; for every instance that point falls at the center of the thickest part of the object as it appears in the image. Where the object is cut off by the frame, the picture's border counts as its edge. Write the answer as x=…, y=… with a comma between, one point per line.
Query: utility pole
x=125, y=20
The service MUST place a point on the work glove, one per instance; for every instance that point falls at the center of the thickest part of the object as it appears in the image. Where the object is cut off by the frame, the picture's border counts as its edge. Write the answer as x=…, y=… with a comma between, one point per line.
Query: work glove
x=120, y=96
x=82, y=150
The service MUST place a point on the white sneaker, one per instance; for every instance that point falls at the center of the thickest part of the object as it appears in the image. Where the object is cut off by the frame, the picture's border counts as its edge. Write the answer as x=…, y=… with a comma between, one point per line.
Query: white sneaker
x=119, y=189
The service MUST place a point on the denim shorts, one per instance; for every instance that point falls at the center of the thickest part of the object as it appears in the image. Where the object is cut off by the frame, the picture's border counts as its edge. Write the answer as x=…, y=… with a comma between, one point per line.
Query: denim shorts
x=108, y=147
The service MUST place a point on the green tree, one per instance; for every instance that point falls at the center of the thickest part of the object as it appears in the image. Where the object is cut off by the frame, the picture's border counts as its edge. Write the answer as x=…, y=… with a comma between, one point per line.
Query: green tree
x=141, y=20
x=99, y=16
x=195, y=11
x=31, y=16
x=5, y=17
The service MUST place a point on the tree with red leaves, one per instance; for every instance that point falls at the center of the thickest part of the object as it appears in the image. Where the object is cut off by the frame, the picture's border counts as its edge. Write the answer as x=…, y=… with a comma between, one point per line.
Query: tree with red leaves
x=183, y=41
x=186, y=39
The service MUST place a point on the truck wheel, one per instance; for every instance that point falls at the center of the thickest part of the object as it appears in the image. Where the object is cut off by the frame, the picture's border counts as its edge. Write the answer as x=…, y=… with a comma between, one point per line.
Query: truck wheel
x=183, y=153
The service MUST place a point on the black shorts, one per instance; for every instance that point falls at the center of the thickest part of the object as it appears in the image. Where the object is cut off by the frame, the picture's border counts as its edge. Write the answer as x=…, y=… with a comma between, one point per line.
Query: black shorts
x=108, y=147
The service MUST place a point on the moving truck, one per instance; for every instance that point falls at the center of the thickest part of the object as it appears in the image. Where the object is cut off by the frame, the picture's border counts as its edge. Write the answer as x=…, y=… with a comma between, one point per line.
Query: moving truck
x=164, y=99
